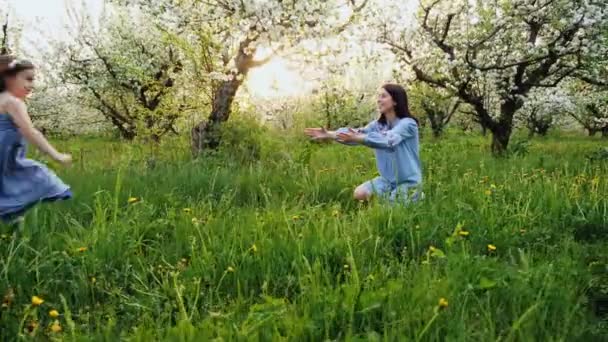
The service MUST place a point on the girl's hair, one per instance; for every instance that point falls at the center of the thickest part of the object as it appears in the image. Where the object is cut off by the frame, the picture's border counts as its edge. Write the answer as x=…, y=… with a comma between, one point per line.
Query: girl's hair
x=11, y=66
x=402, y=109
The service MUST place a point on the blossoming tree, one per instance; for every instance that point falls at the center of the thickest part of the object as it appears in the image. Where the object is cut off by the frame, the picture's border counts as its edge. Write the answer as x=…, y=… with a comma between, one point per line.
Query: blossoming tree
x=503, y=48
x=544, y=108
x=591, y=107
x=239, y=29
x=124, y=71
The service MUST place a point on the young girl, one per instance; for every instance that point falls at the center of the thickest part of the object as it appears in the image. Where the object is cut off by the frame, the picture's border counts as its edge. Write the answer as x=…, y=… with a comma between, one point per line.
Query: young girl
x=394, y=137
x=23, y=182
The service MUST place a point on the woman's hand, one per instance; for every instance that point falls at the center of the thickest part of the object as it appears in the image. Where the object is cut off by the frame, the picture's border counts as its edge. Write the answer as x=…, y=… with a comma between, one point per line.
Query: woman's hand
x=318, y=133
x=351, y=136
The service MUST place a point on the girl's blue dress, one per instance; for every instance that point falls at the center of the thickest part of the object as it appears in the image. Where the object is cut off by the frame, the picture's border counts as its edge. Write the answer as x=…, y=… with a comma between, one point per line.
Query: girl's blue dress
x=23, y=182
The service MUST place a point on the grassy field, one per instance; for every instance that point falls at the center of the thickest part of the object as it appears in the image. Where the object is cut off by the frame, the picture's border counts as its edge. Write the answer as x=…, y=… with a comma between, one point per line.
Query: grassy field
x=264, y=243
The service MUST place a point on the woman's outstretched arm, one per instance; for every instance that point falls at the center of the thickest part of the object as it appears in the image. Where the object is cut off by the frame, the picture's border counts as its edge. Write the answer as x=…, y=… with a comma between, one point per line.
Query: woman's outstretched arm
x=321, y=134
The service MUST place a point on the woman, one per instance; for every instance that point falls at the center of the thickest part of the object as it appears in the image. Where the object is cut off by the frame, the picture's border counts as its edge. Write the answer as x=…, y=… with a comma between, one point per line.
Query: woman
x=394, y=137
x=23, y=182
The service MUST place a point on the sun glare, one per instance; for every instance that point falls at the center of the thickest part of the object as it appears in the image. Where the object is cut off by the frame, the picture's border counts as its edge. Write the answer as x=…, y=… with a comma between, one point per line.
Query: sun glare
x=275, y=80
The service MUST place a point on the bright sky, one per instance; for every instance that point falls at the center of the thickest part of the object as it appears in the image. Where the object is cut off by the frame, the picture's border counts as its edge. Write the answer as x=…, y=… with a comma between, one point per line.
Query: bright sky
x=42, y=18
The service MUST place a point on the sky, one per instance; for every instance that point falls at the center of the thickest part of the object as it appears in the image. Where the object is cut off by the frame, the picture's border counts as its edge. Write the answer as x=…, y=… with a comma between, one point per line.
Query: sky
x=39, y=18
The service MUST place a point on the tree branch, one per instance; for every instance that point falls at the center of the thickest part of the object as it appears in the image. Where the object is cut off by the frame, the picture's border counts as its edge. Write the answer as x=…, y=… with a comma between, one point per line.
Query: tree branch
x=591, y=80
x=261, y=62
x=4, y=49
x=439, y=41
x=452, y=111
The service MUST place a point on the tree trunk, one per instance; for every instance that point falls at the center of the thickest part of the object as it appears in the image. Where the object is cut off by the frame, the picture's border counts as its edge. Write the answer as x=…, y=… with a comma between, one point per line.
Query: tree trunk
x=502, y=129
x=436, y=126
x=591, y=132
x=484, y=130
x=4, y=50
x=437, y=131
x=206, y=134
x=500, y=140
x=605, y=132
x=126, y=131
x=435, y=119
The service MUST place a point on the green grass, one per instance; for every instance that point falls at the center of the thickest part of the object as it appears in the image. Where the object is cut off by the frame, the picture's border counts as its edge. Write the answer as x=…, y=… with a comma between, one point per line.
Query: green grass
x=272, y=247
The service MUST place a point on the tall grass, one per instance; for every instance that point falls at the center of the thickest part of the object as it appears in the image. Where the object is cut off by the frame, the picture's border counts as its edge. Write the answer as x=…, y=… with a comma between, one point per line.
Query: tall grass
x=267, y=244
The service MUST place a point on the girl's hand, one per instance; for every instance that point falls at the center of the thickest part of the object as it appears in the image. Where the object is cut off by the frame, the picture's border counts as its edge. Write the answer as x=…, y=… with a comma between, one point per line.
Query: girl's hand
x=351, y=137
x=317, y=133
x=64, y=159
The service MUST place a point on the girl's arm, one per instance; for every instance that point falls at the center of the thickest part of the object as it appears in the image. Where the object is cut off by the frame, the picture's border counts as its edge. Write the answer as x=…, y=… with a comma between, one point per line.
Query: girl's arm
x=21, y=118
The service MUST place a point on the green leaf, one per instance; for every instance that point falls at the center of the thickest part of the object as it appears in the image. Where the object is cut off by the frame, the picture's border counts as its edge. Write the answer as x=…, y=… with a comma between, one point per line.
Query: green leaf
x=437, y=253
x=486, y=283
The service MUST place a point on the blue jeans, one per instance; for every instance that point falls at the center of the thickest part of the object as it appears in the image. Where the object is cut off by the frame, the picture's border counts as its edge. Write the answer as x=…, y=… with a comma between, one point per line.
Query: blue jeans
x=404, y=193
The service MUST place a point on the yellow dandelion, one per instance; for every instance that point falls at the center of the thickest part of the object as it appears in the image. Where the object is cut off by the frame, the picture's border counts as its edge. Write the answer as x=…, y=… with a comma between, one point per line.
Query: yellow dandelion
x=336, y=213
x=54, y=313
x=491, y=248
x=488, y=192
x=230, y=269
x=443, y=303
x=187, y=210
x=132, y=200
x=56, y=327
x=254, y=248
x=93, y=280
x=82, y=249
x=37, y=301
x=463, y=233
x=295, y=217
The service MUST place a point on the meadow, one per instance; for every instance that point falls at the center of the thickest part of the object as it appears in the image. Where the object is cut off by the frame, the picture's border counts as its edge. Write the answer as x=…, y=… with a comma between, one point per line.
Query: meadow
x=262, y=241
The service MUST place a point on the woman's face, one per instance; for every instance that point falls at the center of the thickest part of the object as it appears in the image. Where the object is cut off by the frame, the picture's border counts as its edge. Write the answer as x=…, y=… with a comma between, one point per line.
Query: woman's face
x=22, y=84
x=385, y=101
